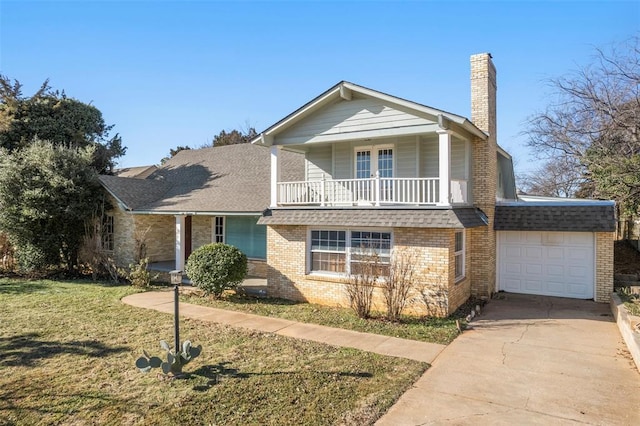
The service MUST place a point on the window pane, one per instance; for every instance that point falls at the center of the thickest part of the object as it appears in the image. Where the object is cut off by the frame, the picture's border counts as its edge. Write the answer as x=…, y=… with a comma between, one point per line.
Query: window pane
x=459, y=269
x=328, y=241
x=328, y=262
x=108, y=233
x=378, y=243
x=459, y=241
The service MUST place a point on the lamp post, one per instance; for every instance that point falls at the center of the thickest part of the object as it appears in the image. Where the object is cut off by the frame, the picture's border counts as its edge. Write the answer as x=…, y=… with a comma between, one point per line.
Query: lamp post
x=176, y=279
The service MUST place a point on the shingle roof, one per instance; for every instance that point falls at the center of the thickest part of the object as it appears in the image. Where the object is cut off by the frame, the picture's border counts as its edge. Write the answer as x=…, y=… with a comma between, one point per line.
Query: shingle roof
x=376, y=217
x=234, y=178
x=577, y=218
x=134, y=193
x=139, y=172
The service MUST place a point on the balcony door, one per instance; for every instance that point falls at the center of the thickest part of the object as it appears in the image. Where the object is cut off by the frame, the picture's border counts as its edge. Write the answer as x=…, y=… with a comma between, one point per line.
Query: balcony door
x=368, y=162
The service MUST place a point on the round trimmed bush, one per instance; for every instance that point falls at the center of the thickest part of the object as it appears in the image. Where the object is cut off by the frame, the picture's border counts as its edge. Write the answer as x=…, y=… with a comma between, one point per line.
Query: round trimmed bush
x=216, y=267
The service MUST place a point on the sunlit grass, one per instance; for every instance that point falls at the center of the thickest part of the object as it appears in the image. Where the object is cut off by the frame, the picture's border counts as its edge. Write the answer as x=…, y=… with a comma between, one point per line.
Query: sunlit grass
x=68, y=351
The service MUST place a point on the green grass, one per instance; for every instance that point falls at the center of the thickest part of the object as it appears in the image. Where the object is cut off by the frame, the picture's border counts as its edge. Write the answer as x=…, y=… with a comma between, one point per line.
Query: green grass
x=68, y=351
x=434, y=330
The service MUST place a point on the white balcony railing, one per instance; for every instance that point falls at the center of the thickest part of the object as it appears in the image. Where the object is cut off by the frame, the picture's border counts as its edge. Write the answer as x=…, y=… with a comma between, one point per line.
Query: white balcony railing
x=374, y=191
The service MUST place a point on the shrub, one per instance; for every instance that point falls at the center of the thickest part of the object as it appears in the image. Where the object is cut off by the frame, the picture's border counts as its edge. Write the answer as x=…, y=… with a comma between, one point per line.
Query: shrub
x=139, y=275
x=216, y=267
x=32, y=259
x=361, y=284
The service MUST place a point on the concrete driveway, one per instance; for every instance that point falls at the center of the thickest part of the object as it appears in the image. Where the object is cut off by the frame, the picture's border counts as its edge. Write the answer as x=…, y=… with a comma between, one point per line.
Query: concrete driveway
x=528, y=360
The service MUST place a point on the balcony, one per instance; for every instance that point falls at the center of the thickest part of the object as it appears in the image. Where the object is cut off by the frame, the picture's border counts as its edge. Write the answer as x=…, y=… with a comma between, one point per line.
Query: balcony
x=375, y=191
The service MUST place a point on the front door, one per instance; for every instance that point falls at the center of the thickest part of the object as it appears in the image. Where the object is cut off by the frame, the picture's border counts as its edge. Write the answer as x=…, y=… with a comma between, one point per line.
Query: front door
x=187, y=238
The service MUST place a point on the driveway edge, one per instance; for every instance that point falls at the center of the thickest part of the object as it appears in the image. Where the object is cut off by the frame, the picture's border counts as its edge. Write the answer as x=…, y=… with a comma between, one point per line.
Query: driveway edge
x=631, y=339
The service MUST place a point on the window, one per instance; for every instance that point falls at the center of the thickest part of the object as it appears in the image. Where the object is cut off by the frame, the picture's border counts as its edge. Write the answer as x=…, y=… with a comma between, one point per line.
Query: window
x=459, y=255
x=328, y=251
x=218, y=229
x=244, y=233
x=345, y=252
x=369, y=247
x=107, y=233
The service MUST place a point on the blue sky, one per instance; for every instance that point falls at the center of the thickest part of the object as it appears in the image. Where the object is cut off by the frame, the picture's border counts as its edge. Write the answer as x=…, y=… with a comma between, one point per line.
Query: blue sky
x=176, y=73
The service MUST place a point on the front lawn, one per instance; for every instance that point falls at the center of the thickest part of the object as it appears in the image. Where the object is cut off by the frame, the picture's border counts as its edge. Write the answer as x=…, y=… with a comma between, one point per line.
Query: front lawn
x=68, y=351
x=434, y=330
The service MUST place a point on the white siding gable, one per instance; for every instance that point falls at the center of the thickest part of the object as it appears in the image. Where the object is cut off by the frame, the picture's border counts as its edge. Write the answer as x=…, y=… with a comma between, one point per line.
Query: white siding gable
x=356, y=115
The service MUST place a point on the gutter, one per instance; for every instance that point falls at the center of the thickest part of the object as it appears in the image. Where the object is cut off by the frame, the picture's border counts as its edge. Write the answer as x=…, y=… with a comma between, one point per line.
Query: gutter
x=192, y=213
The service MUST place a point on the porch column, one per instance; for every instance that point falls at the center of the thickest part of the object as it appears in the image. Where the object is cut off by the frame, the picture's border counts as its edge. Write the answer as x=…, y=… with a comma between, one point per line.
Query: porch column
x=275, y=175
x=180, y=241
x=444, y=148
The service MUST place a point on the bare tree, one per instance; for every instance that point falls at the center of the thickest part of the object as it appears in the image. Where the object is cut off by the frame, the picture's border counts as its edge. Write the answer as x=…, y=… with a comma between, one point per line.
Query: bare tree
x=558, y=177
x=362, y=283
x=595, y=119
x=397, y=284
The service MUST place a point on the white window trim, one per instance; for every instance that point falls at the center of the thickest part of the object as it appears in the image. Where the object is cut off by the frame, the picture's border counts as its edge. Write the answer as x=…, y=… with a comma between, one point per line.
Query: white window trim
x=213, y=229
x=347, y=251
x=461, y=253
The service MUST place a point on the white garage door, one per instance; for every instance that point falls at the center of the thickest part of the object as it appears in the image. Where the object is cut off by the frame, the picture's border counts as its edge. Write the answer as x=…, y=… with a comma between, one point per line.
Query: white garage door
x=546, y=263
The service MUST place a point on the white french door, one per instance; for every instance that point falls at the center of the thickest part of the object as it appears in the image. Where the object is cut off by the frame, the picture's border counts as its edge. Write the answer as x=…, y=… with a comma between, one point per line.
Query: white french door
x=369, y=163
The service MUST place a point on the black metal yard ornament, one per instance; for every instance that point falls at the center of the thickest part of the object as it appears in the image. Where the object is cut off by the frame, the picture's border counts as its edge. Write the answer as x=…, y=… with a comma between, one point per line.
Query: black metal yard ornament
x=177, y=357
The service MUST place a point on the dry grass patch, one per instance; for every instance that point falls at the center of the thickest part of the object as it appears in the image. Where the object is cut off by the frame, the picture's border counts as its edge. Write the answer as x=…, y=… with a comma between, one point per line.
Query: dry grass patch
x=69, y=348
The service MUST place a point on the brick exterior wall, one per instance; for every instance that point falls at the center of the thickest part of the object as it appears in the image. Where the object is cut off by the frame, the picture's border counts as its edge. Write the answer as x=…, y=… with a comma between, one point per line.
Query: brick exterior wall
x=123, y=240
x=604, y=266
x=431, y=250
x=484, y=157
x=158, y=232
x=201, y=231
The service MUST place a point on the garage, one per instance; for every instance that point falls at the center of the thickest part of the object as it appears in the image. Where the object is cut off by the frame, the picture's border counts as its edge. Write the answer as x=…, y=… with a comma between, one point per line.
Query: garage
x=554, y=247
x=547, y=263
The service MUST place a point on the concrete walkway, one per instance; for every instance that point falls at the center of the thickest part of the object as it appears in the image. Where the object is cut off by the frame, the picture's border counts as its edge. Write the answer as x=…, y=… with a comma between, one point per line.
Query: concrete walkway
x=419, y=351
x=528, y=360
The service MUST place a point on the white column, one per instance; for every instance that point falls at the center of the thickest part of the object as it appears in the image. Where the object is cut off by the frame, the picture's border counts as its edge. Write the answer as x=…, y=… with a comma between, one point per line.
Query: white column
x=274, y=176
x=444, y=162
x=180, y=241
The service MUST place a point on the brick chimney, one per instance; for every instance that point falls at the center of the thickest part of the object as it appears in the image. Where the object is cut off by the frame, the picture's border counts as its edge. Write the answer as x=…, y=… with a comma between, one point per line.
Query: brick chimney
x=483, y=115
x=483, y=94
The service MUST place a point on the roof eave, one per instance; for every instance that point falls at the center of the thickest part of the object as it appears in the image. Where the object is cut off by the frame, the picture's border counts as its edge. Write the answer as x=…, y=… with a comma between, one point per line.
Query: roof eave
x=345, y=90
x=194, y=213
x=121, y=203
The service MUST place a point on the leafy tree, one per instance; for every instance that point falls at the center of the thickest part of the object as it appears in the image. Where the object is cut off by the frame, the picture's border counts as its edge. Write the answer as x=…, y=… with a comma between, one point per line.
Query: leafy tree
x=52, y=116
x=174, y=151
x=593, y=126
x=234, y=137
x=46, y=194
